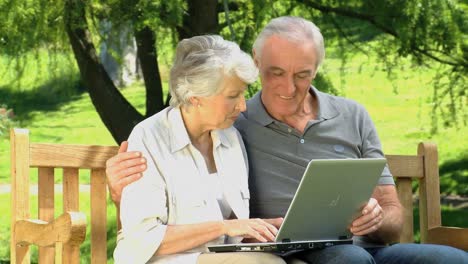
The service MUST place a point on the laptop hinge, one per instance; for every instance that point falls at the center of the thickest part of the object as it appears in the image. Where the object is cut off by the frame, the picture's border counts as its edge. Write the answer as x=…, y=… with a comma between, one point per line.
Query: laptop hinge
x=286, y=240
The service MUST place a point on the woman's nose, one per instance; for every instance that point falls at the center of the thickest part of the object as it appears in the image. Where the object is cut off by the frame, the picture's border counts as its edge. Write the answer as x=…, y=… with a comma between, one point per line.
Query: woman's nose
x=241, y=105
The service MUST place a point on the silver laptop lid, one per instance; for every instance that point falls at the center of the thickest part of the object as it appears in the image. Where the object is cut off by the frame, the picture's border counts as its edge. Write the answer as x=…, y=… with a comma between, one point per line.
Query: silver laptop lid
x=330, y=195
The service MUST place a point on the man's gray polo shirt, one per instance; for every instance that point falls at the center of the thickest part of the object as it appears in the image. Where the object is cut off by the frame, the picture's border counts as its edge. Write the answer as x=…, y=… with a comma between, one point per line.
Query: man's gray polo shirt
x=279, y=154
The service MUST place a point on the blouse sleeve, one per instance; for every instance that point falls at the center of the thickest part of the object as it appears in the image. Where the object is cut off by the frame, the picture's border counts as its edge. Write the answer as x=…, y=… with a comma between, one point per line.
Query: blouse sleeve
x=143, y=209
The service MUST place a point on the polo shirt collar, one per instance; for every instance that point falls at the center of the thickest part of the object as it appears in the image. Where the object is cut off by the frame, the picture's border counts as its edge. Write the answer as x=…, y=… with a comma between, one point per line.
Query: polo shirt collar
x=256, y=110
x=179, y=138
x=326, y=106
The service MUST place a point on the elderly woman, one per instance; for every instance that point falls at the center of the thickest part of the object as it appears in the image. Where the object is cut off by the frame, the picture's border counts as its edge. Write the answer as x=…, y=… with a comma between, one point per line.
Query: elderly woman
x=194, y=192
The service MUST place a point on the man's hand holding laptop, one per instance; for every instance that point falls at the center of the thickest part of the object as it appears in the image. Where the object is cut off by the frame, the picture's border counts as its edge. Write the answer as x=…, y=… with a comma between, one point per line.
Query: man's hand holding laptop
x=370, y=220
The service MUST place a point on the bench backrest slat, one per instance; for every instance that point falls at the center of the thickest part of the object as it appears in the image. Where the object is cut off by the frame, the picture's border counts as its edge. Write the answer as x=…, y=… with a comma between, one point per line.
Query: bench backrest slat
x=71, y=197
x=98, y=216
x=405, y=195
x=74, y=156
x=46, y=199
x=406, y=166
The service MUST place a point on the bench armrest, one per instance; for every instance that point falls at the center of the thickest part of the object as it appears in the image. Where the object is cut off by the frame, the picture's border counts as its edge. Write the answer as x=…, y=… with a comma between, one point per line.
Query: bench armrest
x=450, y=236
x=69, y=228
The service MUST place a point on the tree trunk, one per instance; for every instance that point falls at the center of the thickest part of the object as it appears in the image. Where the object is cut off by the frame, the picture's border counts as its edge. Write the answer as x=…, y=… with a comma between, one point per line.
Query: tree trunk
x=118, y=115
x=147, y=54
x=201, y=19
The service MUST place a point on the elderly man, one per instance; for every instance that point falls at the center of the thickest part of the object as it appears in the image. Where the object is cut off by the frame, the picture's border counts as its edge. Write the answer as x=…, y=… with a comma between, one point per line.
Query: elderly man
x=290, y=122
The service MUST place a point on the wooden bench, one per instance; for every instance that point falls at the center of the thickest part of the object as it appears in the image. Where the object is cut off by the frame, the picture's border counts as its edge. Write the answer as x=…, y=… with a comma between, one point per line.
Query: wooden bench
x=59, y=238
x=71, y=225
x=424, y=168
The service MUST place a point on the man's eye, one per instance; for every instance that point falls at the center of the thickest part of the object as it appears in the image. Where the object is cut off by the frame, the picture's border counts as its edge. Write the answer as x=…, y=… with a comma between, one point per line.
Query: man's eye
x=303, y=76
x=277, y=73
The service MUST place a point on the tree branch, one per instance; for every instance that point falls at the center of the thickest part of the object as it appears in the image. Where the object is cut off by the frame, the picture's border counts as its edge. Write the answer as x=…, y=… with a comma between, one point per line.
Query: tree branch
x=372, y=20
x=349, y=13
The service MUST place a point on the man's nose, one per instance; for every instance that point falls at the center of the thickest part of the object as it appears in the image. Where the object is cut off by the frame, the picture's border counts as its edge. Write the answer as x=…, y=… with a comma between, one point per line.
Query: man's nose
x=290, y=86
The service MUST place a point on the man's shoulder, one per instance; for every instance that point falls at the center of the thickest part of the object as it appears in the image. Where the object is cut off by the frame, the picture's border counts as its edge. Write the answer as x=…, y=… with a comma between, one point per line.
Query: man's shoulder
x=242, y=121
x=342, y=104
x=255, y=113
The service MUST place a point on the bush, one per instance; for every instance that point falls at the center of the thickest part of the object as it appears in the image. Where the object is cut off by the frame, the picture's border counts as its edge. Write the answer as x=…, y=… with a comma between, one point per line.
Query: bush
x=6, y=120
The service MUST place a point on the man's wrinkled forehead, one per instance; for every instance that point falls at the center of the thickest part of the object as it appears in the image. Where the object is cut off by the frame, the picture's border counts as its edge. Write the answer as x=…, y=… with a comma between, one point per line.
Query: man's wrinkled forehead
x=278, y=51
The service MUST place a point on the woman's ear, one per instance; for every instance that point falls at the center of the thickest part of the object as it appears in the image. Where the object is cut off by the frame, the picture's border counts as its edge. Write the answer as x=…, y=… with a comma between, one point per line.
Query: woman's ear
x=194, y=101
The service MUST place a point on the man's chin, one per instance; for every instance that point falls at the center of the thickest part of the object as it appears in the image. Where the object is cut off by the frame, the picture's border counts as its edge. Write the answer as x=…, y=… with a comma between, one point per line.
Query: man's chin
x=283, y=109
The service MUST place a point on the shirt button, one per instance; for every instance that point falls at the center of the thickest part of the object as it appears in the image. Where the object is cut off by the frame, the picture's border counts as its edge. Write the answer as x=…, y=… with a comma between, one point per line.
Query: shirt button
x=302, y=140
x=289, y=130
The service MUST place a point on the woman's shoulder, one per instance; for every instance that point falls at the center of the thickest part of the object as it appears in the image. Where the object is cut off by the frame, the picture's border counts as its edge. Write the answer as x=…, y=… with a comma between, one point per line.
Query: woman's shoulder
x=155, y=125
x=156, y=119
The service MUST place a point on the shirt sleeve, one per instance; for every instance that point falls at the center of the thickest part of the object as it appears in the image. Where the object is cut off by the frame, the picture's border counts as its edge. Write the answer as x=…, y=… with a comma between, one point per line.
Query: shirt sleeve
x=371, y=146
x=143, y=209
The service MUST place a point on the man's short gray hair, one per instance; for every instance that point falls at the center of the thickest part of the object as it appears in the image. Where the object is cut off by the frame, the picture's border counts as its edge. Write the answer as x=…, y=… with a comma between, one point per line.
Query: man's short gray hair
x=200, y=65
x=295, y=29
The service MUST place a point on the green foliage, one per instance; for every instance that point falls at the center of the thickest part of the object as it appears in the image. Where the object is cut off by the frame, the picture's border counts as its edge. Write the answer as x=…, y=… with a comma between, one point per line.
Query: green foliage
x=6, y=120
x=450, y=217
x=31, y=24
x=432, y=33
x=27, y=27
x=429, y=32
x=454, y=177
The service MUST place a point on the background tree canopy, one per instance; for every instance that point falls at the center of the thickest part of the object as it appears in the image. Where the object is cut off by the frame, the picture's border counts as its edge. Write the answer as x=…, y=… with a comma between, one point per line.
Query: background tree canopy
x=432, y=33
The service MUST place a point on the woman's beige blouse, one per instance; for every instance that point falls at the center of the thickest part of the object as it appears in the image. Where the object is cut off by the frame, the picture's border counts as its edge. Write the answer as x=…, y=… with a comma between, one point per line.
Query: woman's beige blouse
x=175, y=188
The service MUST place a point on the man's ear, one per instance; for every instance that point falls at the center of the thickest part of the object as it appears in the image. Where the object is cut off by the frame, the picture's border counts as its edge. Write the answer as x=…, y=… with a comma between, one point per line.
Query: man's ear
x=255, y=58
x=315, y=73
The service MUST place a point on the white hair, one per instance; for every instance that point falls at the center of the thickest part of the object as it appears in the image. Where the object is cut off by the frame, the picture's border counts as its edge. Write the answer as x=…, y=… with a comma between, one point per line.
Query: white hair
x=200, y=65
x=294, y=29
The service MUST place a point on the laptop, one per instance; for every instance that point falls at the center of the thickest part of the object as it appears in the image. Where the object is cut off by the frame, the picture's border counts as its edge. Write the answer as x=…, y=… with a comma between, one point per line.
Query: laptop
x=329, y=197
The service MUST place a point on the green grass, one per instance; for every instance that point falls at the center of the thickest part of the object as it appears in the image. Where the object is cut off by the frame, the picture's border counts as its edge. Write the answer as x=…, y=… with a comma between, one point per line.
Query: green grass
x=75, y=122
x=400, y=111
